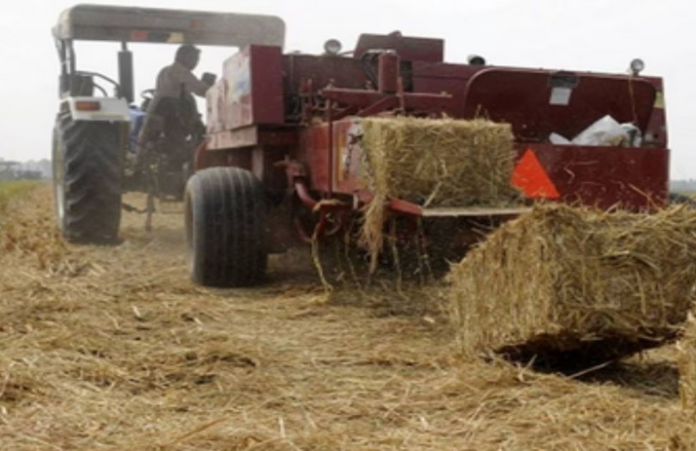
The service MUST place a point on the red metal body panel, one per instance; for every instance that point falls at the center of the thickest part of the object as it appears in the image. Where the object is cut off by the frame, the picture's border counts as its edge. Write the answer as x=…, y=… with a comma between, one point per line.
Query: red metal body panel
x=268, y=96
x=450, y=78
x=605, y=177
x=314, y=154
x=508, y=94
x=523, y=98
x=250, y=93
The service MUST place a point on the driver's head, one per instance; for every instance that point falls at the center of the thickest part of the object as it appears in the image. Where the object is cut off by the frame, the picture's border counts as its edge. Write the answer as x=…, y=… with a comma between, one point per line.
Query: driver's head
x=188, y=56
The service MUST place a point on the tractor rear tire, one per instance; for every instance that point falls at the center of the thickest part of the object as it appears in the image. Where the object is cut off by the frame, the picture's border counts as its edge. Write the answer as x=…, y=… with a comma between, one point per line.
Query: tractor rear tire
x=226, y=228
x=87, y=180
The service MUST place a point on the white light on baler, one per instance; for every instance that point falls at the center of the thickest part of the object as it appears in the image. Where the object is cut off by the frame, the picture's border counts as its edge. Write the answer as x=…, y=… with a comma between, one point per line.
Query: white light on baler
x=637, y=66
x=333, y=47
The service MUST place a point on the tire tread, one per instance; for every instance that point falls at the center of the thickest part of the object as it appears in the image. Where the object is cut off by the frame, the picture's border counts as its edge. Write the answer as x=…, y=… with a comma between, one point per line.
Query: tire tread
x=226, y=215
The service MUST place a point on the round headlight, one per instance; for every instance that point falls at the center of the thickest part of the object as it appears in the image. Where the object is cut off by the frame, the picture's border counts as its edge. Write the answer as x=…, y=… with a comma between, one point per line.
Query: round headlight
x=637, y=66
x=333, y=47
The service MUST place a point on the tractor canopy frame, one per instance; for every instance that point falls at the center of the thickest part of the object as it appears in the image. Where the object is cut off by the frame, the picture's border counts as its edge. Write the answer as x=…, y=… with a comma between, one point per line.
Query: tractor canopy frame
x=125, y=24
x=148, y=25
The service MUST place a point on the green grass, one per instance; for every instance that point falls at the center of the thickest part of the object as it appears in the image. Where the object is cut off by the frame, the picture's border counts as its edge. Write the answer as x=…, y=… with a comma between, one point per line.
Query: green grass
x=10, y=191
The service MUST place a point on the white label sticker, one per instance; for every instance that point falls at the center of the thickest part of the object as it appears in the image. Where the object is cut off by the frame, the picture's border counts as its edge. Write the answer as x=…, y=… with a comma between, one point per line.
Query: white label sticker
x=561, y=96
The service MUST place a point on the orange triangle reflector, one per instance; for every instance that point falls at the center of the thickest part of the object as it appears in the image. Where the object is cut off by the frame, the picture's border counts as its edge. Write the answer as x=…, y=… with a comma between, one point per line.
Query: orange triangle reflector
x=531, y=177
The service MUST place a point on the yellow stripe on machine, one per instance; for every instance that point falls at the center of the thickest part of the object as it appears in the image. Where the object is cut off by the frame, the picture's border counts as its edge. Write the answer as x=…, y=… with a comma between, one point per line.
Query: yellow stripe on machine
x=660, y=100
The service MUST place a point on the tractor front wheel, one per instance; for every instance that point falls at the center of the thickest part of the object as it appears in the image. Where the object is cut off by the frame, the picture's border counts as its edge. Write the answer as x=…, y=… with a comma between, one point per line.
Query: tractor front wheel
x=87, y=179
x=226, y=228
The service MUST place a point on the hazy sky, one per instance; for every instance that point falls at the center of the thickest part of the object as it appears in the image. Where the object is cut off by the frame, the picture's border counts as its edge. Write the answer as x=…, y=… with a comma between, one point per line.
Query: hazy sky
x=594, y=35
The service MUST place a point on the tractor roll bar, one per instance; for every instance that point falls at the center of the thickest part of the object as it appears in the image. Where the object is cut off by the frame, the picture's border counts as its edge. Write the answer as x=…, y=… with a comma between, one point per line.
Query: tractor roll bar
x=123, y=24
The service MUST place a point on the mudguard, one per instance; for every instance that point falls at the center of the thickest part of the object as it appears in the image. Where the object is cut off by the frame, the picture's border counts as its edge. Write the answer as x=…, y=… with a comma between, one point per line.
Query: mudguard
x=109, y=109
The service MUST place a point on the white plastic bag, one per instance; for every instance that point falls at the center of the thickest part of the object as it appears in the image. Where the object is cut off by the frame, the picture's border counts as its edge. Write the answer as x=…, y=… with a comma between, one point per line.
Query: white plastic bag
x=635, y=137
x=604, y=132
x=559, y=140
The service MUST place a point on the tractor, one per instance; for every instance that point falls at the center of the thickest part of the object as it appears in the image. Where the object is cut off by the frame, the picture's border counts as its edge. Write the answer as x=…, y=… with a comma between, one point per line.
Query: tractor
x=282, y=161
x=96, y=130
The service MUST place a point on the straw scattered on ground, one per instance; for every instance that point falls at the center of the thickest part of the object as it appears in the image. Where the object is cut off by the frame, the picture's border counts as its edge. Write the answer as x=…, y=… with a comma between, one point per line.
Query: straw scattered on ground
x=111, y=348
x=12, y=190
x=686, y=360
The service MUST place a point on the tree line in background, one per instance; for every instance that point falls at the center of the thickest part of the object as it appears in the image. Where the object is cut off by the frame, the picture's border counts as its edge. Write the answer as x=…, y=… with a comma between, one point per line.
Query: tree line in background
x=683, y=186
x=27, y=170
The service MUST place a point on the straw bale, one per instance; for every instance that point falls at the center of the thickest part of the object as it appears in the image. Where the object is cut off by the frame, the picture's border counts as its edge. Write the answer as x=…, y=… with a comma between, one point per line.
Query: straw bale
x=563, y=279
x=686, y=360
x=439, y=162
x=434, y=163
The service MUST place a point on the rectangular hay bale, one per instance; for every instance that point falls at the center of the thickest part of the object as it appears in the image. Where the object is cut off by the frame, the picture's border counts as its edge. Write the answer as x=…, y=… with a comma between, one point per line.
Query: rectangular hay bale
x=565, y=279
x=439, y=162
x=434, y=163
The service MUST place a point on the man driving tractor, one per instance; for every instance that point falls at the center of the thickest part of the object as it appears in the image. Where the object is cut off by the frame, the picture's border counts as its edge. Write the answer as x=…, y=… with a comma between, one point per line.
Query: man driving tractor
x=94, y=161
x=172, y=113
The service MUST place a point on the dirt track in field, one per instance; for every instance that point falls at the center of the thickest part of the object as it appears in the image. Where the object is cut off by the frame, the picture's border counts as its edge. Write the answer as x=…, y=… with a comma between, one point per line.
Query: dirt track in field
x=111, y=348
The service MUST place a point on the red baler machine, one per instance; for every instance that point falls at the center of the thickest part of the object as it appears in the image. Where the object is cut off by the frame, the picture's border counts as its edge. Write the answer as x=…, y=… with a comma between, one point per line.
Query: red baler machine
x=282, y=145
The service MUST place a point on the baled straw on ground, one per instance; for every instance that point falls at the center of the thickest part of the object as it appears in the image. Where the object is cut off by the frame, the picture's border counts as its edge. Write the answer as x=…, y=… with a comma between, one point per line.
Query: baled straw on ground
x=434, y=163
x=567, y=279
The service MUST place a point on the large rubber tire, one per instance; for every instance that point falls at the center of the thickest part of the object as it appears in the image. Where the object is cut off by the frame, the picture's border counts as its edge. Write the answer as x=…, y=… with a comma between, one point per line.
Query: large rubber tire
x=226, y=228
x=87, y=180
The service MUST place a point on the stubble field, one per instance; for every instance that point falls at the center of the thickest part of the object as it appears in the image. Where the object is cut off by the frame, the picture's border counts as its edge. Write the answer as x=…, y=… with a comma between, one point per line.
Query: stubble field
x=112, y=348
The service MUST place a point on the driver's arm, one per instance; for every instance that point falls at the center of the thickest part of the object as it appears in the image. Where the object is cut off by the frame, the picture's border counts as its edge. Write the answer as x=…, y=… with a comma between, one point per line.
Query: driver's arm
x=193, y=84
